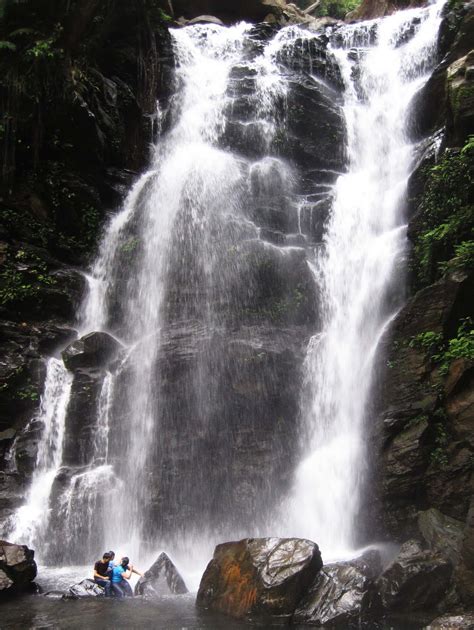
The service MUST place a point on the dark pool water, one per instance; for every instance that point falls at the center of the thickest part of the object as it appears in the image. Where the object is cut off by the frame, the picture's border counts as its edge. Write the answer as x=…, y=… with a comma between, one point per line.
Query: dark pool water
x=168, y=612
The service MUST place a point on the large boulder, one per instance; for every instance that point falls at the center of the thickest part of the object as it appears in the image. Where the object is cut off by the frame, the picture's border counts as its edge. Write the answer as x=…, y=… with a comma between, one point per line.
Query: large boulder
x=161, y=576
x=95, y=350
x=415, y=580
x=17, y=568
x=259, y=576
x=343, y=592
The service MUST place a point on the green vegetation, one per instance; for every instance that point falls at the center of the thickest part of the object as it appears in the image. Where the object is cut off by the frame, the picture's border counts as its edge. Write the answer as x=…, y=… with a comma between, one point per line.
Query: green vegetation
x=332, y=8
x=445, y=234
x=23, y=276
x=443, y=352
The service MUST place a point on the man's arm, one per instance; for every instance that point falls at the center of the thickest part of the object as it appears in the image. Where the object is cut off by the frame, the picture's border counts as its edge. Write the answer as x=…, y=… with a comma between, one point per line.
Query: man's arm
x=99, y=576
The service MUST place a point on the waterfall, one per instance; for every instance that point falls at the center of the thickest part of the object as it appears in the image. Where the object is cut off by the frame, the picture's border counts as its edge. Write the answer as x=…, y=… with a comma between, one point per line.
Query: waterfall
x=249, y=234
x=361, y=261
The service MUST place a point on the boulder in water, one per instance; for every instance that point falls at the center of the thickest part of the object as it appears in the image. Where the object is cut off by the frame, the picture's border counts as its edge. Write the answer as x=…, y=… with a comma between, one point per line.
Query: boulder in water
x=415, y=580
x=343, y=592
x=85, y=589
x=259, y=576
x=94, y=350
x=161, y=576
x=17, y=568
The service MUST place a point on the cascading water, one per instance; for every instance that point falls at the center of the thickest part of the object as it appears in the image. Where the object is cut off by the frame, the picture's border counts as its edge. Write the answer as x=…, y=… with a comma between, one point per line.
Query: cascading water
x=357, y=268
x=221, y=236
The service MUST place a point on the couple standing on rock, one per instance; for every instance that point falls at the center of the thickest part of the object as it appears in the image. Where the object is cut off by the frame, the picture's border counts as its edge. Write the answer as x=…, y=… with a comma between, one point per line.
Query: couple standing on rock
x=114, y=577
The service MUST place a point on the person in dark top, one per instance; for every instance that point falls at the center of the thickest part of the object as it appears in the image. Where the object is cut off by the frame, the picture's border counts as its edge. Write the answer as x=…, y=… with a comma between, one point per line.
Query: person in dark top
x=101, y=573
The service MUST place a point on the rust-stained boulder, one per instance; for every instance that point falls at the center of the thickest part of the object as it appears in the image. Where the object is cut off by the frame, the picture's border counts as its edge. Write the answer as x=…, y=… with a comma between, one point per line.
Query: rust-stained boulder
x=259, y=576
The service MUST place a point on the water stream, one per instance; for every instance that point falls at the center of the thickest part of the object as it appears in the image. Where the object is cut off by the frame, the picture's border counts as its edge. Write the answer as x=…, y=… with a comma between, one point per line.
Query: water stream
x=177, y=263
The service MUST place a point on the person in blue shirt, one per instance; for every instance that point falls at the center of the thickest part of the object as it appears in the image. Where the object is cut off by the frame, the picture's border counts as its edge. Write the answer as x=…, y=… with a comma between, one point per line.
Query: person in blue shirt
x=120, y=576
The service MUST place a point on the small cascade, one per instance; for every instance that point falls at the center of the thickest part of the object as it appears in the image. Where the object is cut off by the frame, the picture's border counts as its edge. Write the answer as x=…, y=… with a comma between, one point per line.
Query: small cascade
x=31, y=520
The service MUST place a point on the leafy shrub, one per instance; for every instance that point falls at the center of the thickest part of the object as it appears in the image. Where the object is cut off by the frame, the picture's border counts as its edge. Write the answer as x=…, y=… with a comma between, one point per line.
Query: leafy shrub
x=446, y=217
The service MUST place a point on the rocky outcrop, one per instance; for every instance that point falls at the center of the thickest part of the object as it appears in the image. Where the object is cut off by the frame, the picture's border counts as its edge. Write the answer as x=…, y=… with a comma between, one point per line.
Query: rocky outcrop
x=258, y=577
x=342, y=593
x=418, y=470
x=17, y=568
x=162, y=576
x=95, y=350
x=415, y=579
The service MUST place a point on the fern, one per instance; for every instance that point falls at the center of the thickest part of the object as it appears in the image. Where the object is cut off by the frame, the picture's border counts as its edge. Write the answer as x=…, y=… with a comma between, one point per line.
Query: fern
x=5, y=45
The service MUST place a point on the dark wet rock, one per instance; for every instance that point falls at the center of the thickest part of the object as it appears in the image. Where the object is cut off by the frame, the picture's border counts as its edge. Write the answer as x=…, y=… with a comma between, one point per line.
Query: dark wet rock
x=464, y=574
x=259, y=576
x=81, y=423
x=253, y=375
x=17, y=568
x=315, y=126
x=161, y=577
x=410, y=474
x=85, y=590
x=463, y=621
x=441, y=533
x=95, y=350
x=416, y=579
x=424, y=119
x=342, y=593
x=55, y=595
x=460, y=87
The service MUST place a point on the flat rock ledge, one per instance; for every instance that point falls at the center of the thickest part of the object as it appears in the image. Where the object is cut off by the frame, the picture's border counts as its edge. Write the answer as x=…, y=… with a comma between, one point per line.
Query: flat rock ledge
x=17, y=569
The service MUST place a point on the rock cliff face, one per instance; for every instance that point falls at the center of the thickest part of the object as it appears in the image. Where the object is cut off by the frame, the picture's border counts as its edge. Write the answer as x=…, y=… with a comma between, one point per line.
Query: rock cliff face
x=426, y=423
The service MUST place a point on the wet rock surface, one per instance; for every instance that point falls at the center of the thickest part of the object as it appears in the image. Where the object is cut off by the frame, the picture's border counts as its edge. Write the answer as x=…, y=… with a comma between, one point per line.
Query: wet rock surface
x=161, y=577
x=17, y=568
x=342, y=593
x=84, y=590
x=95, y=350
x=416, y=579
x=259, y=576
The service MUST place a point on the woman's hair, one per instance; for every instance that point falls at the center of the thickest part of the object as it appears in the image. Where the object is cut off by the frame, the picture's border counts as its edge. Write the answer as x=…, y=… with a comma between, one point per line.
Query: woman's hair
x=124, y=561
